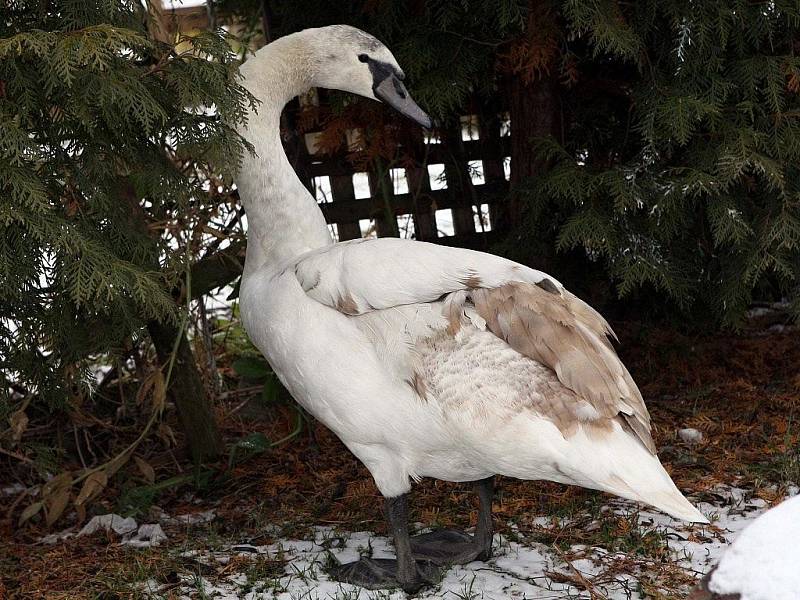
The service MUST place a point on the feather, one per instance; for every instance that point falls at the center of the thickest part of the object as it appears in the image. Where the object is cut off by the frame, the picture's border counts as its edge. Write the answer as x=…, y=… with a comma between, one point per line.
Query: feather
x=563, y=333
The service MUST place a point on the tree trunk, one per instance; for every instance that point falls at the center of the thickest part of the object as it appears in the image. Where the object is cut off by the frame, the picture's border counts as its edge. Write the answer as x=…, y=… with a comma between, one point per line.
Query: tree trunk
x=187, y=391
x=535, y=110
x=186, y=387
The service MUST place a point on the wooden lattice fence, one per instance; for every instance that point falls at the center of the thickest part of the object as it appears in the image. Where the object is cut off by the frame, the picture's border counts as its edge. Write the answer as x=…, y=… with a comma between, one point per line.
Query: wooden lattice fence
x=451, y=194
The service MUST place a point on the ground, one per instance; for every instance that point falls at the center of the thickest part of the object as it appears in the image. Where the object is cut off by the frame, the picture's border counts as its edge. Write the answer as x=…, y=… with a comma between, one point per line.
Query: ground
x=280, y=517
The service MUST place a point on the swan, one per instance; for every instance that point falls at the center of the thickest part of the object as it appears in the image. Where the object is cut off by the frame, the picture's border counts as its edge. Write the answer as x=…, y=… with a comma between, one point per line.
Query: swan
x=425, y=360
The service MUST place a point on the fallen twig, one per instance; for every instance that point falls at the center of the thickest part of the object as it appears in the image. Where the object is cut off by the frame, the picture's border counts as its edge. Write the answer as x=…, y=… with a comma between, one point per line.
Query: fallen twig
x=588, y=585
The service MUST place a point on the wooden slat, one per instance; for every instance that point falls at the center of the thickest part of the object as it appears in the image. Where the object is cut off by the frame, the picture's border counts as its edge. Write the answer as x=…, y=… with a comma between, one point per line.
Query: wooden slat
x=353, y=210
x=383, y=205
x=459, y=184
x=475, y=241
x=419, y=187
x=420, y=203
x=342, y=191
x=437, y=153
x=493, y=159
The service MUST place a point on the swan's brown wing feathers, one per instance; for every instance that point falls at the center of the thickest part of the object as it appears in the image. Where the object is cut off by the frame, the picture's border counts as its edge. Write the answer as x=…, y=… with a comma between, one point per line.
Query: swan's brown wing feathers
x=557, y=329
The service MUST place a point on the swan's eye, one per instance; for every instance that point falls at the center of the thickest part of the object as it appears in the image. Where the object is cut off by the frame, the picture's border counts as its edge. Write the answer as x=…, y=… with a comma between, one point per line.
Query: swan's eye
x=363, y=57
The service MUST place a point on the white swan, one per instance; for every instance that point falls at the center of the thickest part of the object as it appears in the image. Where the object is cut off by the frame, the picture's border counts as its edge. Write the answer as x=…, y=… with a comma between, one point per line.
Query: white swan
x=426, y=361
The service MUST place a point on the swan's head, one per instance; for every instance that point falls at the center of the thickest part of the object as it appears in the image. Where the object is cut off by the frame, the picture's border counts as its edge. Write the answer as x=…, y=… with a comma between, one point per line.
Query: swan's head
x=351, y=60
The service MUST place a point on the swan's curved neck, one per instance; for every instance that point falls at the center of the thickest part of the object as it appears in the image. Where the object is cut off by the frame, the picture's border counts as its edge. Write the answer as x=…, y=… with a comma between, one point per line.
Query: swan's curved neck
x=283, y=218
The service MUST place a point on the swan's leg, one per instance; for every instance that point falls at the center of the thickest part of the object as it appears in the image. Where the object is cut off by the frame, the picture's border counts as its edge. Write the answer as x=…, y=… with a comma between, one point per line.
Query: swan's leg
x=484, y=530
x=405, y=572
x=451, y=547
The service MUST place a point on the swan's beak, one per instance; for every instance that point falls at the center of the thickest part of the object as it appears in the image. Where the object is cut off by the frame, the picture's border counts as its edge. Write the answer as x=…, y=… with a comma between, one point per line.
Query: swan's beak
x=392, y=91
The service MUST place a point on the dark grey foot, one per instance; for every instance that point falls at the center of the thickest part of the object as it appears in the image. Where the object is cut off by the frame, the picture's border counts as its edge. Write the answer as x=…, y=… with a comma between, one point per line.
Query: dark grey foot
x=381, y=573
x=449, y=547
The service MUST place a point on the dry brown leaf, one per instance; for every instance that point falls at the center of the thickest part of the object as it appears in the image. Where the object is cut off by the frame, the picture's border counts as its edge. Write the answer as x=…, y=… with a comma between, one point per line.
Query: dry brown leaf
x=159, y=399
x=94, y=484
x=166, y=435
x=57, y=503
x=144, y=389
x=116, y=463
x=19, y=423
x=55, y=496
x=81, y=511
x=793, y=84
x=154, y=386
x=146, y=469
x=30, y=511
x=52, y=487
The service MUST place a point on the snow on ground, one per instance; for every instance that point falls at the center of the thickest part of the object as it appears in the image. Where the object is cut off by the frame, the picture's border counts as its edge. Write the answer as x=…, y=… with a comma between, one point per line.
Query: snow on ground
x=521, y=569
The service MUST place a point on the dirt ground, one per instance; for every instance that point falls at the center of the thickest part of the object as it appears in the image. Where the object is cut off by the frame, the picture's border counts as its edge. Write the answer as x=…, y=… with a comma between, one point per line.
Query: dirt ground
x=739, y=391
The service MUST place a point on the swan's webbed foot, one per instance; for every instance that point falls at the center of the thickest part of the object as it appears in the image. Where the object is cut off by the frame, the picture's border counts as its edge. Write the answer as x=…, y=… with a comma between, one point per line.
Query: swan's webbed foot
x=419, y=560
x=405, y=572
x=382, y=573
x=450, y=547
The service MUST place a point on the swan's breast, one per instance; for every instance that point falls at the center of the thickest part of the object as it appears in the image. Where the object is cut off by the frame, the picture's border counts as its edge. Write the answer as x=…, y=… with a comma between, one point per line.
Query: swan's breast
x=333, y=370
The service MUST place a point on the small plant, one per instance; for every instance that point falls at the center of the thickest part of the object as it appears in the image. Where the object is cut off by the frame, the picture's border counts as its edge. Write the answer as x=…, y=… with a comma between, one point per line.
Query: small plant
x=263, y=573
x=467, y=591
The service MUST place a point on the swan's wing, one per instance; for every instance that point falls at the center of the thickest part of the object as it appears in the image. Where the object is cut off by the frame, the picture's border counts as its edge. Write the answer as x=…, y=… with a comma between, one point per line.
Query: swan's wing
x=529, y=310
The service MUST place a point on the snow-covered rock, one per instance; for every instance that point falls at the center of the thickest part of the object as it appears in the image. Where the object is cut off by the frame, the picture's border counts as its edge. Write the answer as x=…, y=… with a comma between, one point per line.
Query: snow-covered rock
x=690, y=435
x=764, y=561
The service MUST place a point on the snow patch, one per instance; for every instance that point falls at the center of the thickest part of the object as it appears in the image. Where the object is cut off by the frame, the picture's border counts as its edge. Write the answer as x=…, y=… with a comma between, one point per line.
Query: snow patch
x=12, y=490
x=522, y=568
x=133, y=534
x=205, y=516
x=54, y=538
x=110, y=522
x=146, y=536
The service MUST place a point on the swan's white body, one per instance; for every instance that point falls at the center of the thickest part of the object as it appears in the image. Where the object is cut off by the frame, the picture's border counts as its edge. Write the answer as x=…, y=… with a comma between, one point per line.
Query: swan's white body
x=427, y=361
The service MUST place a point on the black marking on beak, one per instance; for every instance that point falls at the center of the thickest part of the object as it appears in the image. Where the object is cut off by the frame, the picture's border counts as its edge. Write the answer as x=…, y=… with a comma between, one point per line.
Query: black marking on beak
x=387, y=85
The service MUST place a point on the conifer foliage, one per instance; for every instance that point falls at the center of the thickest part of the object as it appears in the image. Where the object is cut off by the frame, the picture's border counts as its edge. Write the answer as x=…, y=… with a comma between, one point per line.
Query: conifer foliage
x=679, y=170
x=107, y=139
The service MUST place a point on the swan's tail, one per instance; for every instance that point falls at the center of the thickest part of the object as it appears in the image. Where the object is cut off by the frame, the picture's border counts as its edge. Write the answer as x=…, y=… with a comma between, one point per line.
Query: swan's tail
x=618, y=463
x=647, y=481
